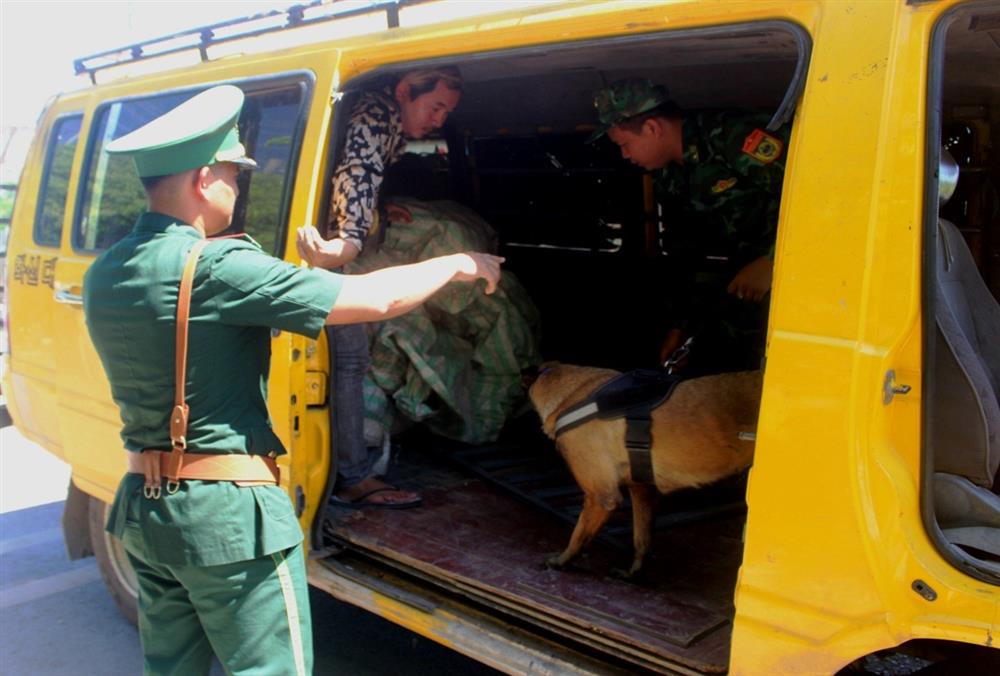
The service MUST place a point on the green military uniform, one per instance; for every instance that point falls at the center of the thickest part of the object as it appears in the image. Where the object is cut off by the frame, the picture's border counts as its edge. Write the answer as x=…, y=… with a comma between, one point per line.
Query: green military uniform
x=720, y=211
x=220, y=567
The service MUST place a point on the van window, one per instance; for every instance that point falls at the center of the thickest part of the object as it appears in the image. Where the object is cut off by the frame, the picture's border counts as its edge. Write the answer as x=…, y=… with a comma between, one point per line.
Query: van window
x=269, y=127
x=114, y=198
x=55, y=181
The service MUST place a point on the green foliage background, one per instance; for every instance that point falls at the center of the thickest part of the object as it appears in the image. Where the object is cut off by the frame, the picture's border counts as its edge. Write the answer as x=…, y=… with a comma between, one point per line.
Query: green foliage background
x=6, y=203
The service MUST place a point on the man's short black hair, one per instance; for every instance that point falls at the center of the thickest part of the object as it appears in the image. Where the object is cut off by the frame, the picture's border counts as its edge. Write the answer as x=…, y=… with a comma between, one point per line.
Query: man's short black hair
x=426, y=80
x=668, y=110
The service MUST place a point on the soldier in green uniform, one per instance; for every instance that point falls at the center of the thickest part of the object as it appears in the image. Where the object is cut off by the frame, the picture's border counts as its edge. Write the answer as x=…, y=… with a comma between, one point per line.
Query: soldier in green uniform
x=717, y=177
x=219, y=562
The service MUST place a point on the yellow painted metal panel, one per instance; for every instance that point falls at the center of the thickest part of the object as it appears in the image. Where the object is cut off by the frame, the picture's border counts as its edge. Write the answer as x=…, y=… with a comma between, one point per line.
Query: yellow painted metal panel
x=32, y=284
x=834, y=539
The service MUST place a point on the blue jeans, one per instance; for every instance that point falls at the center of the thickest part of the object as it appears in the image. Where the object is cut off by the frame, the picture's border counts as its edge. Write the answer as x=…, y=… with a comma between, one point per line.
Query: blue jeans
x=350, y=357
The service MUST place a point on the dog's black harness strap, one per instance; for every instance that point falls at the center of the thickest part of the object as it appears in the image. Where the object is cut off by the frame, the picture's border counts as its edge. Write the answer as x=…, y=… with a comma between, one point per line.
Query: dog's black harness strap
x=638, y=441
x=632, y=396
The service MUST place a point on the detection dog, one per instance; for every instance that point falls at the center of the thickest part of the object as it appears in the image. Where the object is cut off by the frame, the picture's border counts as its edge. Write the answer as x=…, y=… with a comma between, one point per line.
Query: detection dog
x=702, y=433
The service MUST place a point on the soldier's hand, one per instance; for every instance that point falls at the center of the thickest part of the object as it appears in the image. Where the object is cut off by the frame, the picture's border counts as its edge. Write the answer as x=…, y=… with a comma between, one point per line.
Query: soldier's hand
x=473, y=266
x=673, y=340
x=754, y=281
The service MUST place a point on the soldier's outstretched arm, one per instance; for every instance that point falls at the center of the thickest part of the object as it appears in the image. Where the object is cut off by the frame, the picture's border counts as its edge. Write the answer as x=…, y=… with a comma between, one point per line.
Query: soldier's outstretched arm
x=390, y=292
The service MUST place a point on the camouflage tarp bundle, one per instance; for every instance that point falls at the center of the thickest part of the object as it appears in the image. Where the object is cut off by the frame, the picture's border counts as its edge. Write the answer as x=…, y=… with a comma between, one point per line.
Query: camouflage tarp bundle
x=454, y=363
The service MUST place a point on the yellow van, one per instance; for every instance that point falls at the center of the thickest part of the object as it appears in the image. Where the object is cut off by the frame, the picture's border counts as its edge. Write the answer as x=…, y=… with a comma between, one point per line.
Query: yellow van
x=868, y=528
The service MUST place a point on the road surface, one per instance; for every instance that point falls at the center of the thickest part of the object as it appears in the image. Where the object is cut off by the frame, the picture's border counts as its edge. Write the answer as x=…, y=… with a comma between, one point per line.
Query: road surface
x=56, y=618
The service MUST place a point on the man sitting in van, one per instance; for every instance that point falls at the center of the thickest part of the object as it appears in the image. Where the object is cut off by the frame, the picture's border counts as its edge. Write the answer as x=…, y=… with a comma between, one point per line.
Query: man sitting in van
x=375, y=139
x=717, y=177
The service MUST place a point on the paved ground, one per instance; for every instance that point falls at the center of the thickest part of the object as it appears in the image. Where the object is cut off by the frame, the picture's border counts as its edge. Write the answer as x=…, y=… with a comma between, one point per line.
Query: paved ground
x=56, y=618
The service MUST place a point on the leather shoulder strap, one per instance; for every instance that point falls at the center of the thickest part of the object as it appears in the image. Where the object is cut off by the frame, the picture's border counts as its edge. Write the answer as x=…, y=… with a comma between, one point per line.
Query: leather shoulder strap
x=179, y=417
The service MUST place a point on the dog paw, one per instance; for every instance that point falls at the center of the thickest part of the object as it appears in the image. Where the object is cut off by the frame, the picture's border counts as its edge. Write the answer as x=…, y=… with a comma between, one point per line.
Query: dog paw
x=621, y=574
x=554, y=563
x=633, y=574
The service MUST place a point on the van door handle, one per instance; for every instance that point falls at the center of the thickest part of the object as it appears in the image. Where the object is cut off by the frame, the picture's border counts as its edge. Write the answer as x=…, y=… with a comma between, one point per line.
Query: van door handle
x=66, y=296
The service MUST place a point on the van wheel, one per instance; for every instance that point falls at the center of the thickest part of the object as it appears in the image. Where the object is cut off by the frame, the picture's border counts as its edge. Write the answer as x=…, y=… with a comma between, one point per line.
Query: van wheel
x=119, y=576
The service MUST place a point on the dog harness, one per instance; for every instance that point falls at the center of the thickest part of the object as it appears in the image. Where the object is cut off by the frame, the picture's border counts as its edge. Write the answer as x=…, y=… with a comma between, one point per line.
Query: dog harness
x=633, y=396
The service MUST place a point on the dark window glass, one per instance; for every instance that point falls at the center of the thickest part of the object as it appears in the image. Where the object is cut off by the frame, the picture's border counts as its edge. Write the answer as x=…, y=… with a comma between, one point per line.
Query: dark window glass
x=55, y=181
x=269, y=129
x=269, y=126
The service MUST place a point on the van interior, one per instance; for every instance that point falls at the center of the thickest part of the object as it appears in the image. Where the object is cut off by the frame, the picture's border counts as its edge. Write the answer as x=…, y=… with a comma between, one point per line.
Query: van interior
x=582, y=233
x=580, y=230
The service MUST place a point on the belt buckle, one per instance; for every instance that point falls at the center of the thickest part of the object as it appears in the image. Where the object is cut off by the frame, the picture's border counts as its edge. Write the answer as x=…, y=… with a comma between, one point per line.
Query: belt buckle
x=175, y=462
x=151, y=474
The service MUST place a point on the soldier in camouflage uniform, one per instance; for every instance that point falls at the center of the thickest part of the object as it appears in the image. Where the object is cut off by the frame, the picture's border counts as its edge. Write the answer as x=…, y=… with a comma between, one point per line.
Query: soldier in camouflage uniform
x=376, y=137
x=718, y=180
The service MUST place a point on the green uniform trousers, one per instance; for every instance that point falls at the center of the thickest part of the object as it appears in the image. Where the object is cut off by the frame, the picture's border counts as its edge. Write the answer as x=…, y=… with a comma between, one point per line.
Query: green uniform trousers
x=253, y=615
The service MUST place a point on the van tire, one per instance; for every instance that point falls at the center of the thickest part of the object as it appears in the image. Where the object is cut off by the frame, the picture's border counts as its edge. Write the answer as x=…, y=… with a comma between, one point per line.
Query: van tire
x=119, y=577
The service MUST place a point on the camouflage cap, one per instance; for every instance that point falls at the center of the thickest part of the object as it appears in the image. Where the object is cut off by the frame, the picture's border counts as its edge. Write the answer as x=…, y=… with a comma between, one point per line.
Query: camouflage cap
x=625, y=99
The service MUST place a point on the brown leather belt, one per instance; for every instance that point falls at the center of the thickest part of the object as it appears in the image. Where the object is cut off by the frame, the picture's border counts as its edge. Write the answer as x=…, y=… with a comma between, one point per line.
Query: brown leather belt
x=243, y=470
x=177, y=464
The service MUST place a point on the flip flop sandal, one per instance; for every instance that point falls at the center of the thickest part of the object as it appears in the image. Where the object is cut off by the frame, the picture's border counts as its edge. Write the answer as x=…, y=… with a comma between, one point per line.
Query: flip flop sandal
x=362, y=501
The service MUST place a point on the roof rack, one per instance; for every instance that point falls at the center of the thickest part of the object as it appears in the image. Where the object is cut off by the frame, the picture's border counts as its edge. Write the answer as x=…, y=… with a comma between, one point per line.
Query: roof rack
x=205, y=36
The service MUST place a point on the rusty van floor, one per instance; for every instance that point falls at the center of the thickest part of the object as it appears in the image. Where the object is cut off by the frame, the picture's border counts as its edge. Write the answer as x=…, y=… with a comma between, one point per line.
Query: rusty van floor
x=473, y=537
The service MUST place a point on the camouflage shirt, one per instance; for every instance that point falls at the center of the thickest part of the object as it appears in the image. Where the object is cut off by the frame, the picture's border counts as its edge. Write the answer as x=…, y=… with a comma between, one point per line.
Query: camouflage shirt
x=720, y=212
x=374, y=141
x=723, y=200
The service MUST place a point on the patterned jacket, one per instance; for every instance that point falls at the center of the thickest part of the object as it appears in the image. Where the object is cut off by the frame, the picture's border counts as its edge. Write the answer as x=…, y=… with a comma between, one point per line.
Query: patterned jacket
x=374, y=141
